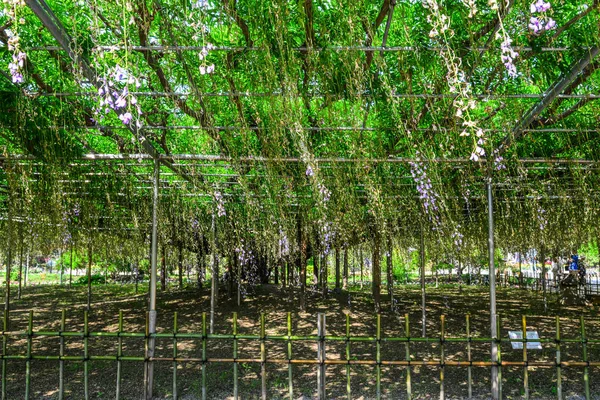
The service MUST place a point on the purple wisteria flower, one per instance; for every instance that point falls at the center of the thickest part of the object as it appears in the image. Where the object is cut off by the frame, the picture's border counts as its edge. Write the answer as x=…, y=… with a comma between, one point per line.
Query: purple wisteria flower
x=16, y=67
x=540, y=6
x=284, y=243
x=427, y=195
x=126, y=118
x=218, y=197
x=309, y=171
x=540, y=23
x=508, y=56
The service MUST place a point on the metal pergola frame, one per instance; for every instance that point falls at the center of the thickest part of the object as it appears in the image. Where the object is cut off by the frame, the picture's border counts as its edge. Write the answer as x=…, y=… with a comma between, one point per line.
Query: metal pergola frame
x=53, y=25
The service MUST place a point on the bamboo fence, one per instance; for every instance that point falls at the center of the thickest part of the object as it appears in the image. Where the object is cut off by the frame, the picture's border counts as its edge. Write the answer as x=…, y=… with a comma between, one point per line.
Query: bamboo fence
x=320, y=361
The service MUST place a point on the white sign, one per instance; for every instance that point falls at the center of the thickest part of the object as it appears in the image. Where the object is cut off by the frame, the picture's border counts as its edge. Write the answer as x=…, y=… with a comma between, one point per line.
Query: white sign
x=531, y=335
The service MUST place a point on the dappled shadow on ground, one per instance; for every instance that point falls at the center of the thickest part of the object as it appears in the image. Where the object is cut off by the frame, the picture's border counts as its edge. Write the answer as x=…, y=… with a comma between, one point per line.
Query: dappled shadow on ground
x=453, y=302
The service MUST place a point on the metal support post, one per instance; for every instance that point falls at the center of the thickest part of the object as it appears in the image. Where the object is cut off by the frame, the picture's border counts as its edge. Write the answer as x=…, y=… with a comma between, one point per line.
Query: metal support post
x=9, y=260
x=149, y=372
x=214, y=286
x=422, y=270
x=492, y=278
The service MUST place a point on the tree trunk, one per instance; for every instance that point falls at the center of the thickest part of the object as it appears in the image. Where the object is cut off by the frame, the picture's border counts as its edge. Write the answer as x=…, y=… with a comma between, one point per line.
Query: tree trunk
x=337, y=268
x=362, y=265
x=376, y=272
x=21, y=262
x=89, y=276
x=163, y=270
x=180, y=265
x=324, y=274
x=316, y=262
x=301, y=262
x=200, y=261
x=390, y=270
x=345, y=278
x=70, y=267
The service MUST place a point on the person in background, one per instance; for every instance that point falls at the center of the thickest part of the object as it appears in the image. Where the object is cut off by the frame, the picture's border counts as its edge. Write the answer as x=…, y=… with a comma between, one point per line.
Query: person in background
x=574, y=263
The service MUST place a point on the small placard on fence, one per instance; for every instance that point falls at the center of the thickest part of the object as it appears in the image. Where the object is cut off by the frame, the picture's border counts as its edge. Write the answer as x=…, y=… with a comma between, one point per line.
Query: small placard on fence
x=531, y=335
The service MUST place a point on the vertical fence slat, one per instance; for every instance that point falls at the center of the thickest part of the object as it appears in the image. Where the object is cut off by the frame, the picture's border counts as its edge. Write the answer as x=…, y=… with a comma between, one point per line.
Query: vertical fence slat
x=321, y=356
x=348, y=387
x=119, y=355
x=408, y=371
x=499, y=339
x=175, y=355
x=263, y=357
x=586, y=370
x=525, y=369
x=86, y=387
x=235, y=355
x=558, y=361
x=4, y=352
x=146, y=353
x=378, y=355
x=28, y=361
x=469, y=371
x=61, y=363
x=442, y=356
x=203, y=356
x=289, y=348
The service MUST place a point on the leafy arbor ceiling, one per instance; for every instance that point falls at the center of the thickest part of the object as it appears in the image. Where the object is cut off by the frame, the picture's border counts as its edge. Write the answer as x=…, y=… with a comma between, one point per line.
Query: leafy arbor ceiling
x=311, y=80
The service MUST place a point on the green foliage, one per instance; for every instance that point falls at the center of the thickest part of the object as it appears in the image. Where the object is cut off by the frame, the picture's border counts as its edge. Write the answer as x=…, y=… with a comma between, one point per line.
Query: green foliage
x=95, y=279
x=590, y=252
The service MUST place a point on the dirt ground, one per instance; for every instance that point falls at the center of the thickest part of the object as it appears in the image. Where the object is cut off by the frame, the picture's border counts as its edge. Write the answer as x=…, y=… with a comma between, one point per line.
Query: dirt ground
x=453, y=302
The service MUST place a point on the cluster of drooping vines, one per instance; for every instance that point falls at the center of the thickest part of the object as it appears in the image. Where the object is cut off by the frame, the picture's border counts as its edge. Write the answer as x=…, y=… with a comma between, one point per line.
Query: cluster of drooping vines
x=457, y=81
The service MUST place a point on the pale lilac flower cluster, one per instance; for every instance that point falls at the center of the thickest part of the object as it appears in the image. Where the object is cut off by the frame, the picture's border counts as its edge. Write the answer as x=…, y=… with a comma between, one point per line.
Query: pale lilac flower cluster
x=220, y=203
x=472, y=6
x=115, y=96
x=204, y=67
x=427, y=195
x=498, y=161
x=16, y=67
x=542, y=218
x=457, y=81
x=284, y=244
x=326, y=237
x=479, y=150
x=540, y=23
x=457, y=237
x=12, y=9
x=245, y=257
x=309, y=171
x=200, y=4
x=325, y=193
x=508, y=57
